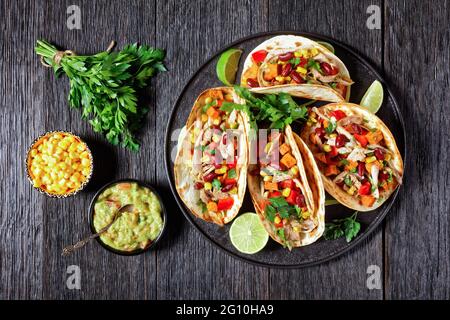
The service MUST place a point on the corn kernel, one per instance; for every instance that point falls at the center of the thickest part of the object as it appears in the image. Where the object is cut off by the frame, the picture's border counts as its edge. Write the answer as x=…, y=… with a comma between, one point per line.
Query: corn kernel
x=228, y=97
x=294, y=170
x=296, y=229
x=297, y=54
x=326, y=148
x=81, y=147
x=216, y=121
x=267, y=178
x=204, y=117
x=301, y=70
x=351, y=190
x=387, y=156
x=286, y=192
x=314, y=52
x=371, y=159
x=277, y=220
x=208, y=100
x=207, y=186
x=233, y=191
x=85, y=162
x=221, y=170
x=279, y=78
x=333, y=135
x=306, y=214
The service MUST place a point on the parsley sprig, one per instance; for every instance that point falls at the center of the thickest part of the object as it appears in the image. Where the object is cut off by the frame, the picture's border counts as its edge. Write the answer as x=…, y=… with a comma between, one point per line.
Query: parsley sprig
x=277, y=109
x=338, y=228
x=105, y=86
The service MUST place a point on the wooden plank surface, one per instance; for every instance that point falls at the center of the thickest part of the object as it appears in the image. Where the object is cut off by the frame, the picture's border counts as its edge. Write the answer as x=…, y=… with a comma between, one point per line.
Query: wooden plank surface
x=104, y=275
x=21, y=218
x=417, y=59
x=411, y=49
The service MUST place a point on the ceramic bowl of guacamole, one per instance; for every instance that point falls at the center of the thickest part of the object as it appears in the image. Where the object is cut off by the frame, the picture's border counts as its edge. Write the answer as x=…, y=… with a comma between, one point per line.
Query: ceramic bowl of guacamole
x=133, y=232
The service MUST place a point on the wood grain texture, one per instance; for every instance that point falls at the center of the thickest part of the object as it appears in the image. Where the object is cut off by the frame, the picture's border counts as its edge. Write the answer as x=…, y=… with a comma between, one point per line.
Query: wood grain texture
x=412, y=50
x=21, y=218
x=344, y=278
x=191, y=267
x=418, y=237
x=104, y=275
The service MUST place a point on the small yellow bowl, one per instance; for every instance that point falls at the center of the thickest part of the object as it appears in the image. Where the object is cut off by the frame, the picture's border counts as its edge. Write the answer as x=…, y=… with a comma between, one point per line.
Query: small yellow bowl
x=49, y=159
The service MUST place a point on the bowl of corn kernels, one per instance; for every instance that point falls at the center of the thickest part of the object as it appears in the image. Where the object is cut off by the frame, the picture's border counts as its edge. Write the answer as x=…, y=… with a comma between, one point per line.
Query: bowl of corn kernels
x=59, y=164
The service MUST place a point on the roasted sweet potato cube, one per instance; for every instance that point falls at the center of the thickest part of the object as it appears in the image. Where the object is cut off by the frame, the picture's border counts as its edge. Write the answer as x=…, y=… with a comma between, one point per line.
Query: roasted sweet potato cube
x=271, y=186
x=271, y=71
x=284, y=149
x=367, y=201
x=288, y=160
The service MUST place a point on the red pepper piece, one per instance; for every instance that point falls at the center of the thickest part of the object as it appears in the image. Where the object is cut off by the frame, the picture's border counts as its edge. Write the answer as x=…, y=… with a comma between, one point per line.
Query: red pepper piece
x=225, y=204
x=338, y=114
x=259, y=56
x=361, y=139
x=364, y=190
x=287, y=184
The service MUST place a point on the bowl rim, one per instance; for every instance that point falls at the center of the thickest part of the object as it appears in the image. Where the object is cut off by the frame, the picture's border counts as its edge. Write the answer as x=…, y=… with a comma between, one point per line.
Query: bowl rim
x=137, y=251
x=52, y=195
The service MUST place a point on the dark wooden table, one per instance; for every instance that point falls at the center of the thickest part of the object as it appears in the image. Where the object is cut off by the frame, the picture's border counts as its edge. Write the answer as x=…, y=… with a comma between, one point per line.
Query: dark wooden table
x=412, y=247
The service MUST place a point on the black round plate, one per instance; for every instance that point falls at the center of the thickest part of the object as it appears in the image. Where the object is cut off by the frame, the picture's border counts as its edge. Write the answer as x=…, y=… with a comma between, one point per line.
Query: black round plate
x=274, y=255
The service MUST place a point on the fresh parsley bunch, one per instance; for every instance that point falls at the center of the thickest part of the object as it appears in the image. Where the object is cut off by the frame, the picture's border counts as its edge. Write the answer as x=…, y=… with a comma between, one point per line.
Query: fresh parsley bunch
x=105, y=86
x=277, y=109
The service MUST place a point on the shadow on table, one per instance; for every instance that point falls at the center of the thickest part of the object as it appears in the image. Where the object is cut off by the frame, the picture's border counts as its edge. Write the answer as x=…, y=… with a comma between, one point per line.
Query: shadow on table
x=105, y=164
x=175, y=219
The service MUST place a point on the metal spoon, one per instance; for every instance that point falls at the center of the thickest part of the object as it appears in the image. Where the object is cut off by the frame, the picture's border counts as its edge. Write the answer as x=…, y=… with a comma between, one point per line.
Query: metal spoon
x=69, y=249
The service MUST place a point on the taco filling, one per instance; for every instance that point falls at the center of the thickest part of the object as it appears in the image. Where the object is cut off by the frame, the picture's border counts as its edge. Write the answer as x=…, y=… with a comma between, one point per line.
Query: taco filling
x=353, y=154
x=216, y=172
x=303, y=66
x=284, y=203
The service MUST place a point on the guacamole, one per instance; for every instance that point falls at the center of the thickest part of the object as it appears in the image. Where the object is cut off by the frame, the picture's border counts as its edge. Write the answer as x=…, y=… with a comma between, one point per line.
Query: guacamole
x=132, y=230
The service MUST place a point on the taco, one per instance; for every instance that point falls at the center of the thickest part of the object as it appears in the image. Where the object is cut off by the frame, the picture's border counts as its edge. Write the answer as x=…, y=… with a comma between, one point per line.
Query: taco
x=287, y=190
x=298, y=66
x=211, y=163
x=356, y=154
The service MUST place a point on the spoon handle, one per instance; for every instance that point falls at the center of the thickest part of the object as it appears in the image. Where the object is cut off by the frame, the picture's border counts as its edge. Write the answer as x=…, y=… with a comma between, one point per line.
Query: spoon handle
x=69, y=249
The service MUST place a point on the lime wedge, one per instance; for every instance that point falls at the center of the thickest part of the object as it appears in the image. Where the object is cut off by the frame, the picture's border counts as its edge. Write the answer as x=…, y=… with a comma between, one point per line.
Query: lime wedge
x=326, y=45
x=373, y=98
x=247, y=233
x=227, y=66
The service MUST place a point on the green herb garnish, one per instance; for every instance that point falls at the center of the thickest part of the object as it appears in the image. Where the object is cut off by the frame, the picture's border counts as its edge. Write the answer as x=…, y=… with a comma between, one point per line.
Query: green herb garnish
x=338, y=228
x=271, y=212
x=232, y=173
x=331, y=127
x=105, y=86
x=313, y=64
x=277, y=109
x=216, y=184
x=294, y=61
